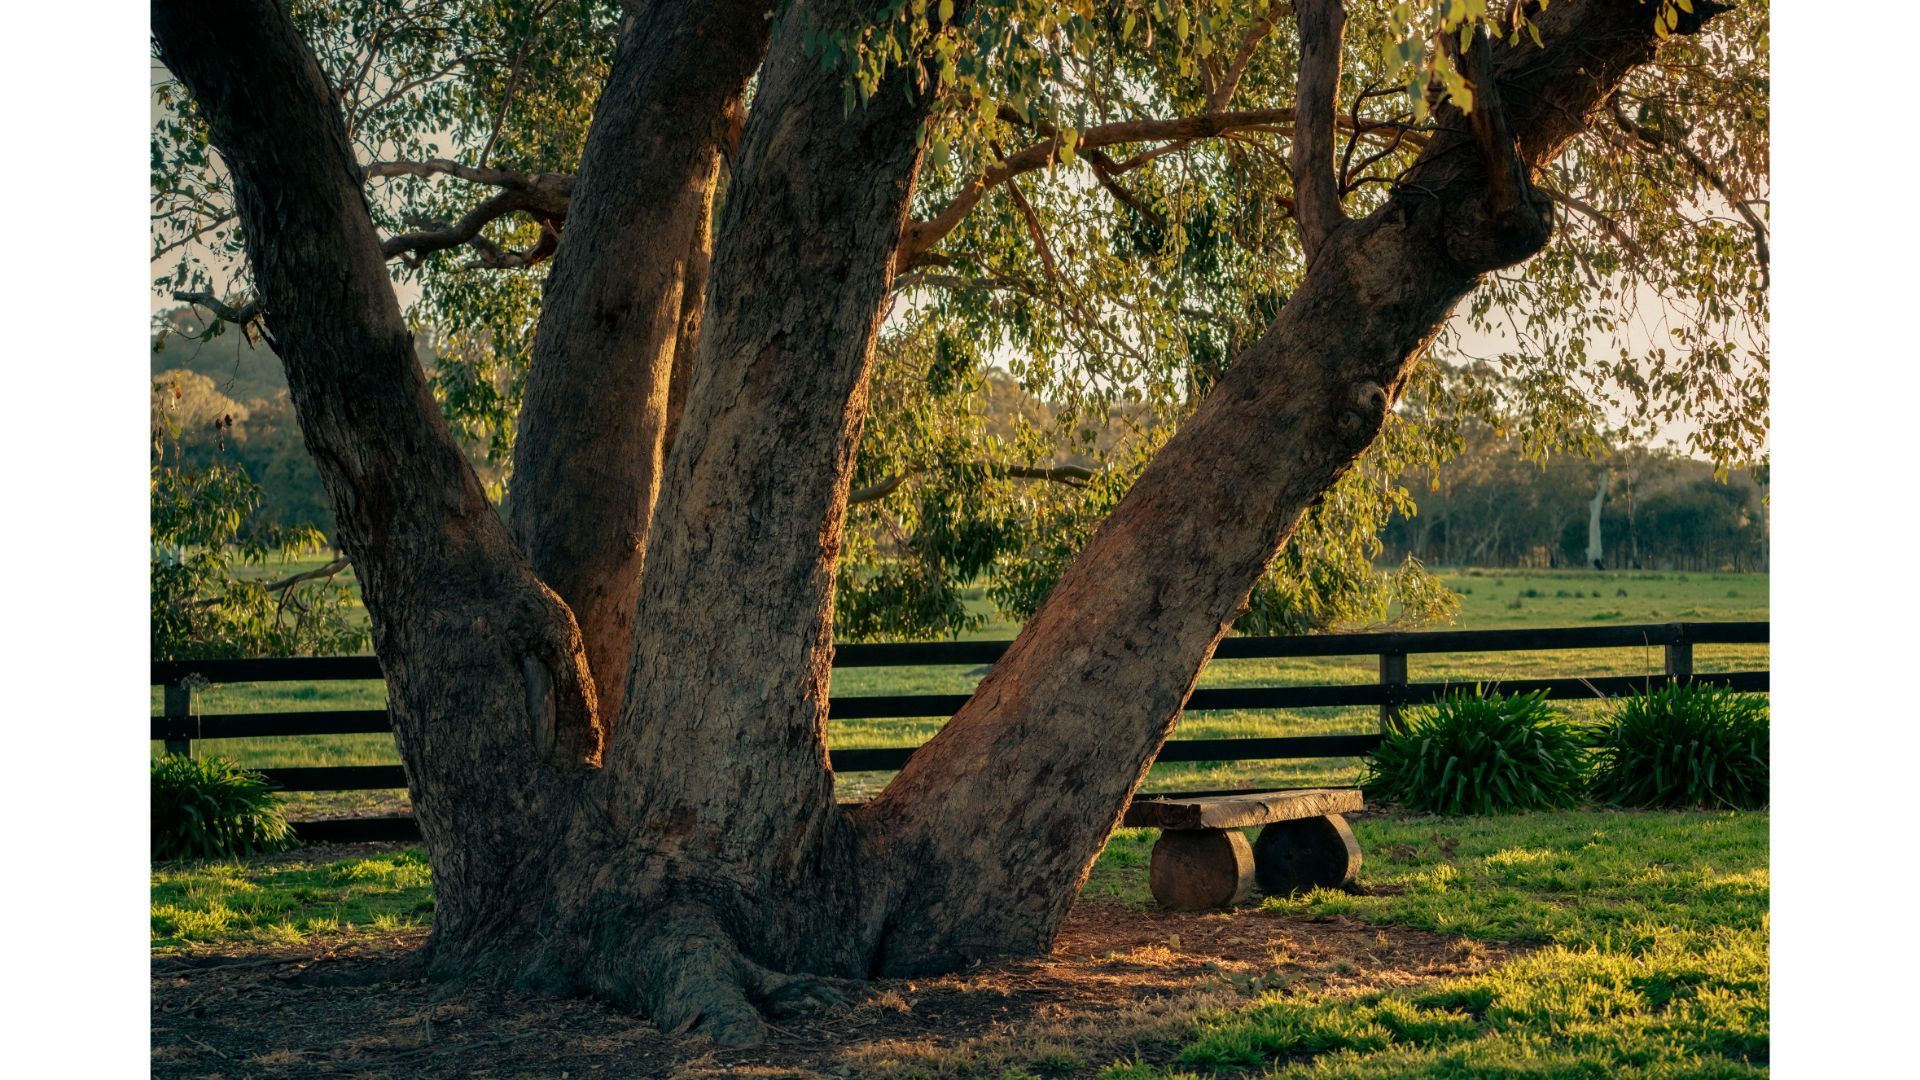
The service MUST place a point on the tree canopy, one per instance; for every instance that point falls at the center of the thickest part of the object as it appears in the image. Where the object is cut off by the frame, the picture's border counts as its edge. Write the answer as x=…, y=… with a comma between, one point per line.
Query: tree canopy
x=1104, y=219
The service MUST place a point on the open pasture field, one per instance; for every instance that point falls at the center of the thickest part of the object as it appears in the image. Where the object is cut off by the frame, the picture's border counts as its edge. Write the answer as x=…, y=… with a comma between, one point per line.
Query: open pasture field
x=1490, y=599
x=1583, y=943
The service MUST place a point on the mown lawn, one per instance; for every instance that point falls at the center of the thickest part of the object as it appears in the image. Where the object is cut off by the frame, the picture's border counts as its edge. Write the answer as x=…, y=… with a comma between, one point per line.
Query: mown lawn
x=1646, y=936
x=1489, y=599
x=1653, y=929
x=288, y=899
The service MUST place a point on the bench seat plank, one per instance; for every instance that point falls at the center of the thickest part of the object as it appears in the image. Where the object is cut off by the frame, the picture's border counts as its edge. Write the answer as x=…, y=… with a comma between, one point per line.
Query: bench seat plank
x=1241, y=811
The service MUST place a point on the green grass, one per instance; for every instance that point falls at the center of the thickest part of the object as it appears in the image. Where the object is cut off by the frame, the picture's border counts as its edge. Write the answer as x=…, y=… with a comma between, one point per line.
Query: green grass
x=287, y=900
x=1652, y=930
x=1487, y=599
x=1651, y=927
x=1647, y=935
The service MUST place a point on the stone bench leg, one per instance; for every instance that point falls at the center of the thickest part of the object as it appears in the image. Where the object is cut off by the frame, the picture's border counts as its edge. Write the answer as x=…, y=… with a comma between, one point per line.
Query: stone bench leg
x=1291, y=857
x=1197, y=869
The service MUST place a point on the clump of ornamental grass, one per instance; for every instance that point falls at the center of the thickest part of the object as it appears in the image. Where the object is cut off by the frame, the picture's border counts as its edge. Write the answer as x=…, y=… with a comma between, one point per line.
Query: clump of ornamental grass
x=211, y=808
x=1481, y=754
x=1685, y=746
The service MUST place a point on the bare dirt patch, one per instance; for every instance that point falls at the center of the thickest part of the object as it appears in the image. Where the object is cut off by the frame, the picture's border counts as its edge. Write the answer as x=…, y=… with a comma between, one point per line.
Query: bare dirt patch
x=1121, y=983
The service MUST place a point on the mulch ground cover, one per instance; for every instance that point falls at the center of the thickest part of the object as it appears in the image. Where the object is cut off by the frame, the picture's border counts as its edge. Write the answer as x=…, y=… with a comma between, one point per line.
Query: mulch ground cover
x=1121, y=984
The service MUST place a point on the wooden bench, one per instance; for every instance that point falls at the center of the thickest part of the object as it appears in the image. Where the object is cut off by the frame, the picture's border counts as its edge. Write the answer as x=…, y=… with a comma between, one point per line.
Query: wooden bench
x=1203, y=860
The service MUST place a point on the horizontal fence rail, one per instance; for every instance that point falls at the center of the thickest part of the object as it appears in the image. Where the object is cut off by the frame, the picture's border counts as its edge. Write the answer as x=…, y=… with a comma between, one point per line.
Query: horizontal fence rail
x=178, y=726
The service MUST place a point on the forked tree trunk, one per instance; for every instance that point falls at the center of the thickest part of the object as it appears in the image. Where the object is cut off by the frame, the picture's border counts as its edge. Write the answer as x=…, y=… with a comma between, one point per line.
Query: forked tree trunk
x=597, y=408
x=698, y=869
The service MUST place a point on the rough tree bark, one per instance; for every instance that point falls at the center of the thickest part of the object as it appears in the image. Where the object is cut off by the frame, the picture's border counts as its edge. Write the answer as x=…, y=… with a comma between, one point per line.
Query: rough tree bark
x=698, y=868
x=463, y=627
x=593, y=424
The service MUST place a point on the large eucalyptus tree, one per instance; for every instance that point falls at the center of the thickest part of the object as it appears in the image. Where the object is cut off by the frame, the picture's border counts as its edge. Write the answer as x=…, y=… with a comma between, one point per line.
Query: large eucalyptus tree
x=611, y=696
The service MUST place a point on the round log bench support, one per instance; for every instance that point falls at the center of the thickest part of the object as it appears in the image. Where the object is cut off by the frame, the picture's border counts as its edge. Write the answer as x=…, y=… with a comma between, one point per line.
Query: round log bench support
x=1203, y=860
x=1197, y=869
x=1292, y=857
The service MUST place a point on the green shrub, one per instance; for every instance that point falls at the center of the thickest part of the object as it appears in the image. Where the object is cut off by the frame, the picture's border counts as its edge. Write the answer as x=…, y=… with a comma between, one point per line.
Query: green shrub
x=1469, y=754
x=211, y=808
x=1685, y=745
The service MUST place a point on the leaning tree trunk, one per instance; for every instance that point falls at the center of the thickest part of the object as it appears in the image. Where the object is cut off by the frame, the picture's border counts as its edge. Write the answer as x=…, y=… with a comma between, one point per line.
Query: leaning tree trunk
x=698, y=869
x=463, y=627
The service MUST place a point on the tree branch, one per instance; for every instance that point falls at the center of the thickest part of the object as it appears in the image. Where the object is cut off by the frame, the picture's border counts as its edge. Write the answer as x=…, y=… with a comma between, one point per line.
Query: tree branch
x=1704, y=169
x=1034, y=230
x=1105, y=170
x=1229, y=82
x=1348, y=170
x=920, y=236
x=1506, y=174
x=414, y=245
x=1597, y=216
x=545, y=195
x=557, y=184
x=1070, y=475
x=240, y=316
x=198, y=231
x=491, y=256
x=288, y=582
x=1316, y=191
x=325, y=571
x=875, y=492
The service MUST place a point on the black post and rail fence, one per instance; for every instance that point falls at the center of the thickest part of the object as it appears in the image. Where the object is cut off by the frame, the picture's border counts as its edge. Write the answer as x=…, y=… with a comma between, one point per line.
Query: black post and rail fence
x=179, y=726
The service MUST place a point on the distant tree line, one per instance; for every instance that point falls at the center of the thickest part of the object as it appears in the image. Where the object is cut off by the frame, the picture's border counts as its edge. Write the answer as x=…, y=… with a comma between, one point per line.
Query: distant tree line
x=1661, y=510
x=1489, y=505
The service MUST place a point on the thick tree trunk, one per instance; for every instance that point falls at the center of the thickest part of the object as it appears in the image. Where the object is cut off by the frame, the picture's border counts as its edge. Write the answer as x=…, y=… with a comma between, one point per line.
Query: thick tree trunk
x=713, y=875
x=704, y=874
x=592, y=428
x=492, y=705
x=756, y=488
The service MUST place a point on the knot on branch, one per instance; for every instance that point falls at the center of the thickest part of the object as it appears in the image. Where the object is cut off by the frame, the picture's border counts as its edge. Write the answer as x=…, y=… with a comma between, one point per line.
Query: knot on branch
x=1486, y=237
x=1364, y=410
x=1371, y=398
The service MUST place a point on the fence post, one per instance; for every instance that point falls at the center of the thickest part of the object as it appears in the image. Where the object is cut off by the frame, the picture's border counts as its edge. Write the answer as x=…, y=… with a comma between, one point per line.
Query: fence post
x=177, y=707
x=1393, y=676
x=1680, y=662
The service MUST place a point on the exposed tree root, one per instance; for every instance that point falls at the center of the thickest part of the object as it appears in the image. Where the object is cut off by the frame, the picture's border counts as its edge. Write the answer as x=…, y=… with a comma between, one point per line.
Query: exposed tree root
x=694, y=980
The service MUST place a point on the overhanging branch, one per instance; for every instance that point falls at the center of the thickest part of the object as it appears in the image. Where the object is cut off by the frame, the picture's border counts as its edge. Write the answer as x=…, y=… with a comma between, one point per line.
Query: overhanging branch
x=1597, y=216
x=475, y=174
x=918, y=238
x=1105, y=170
x=413, y=246
x=546, y=196
x=326, y=571
x=1704, y=169
x=226, y=312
